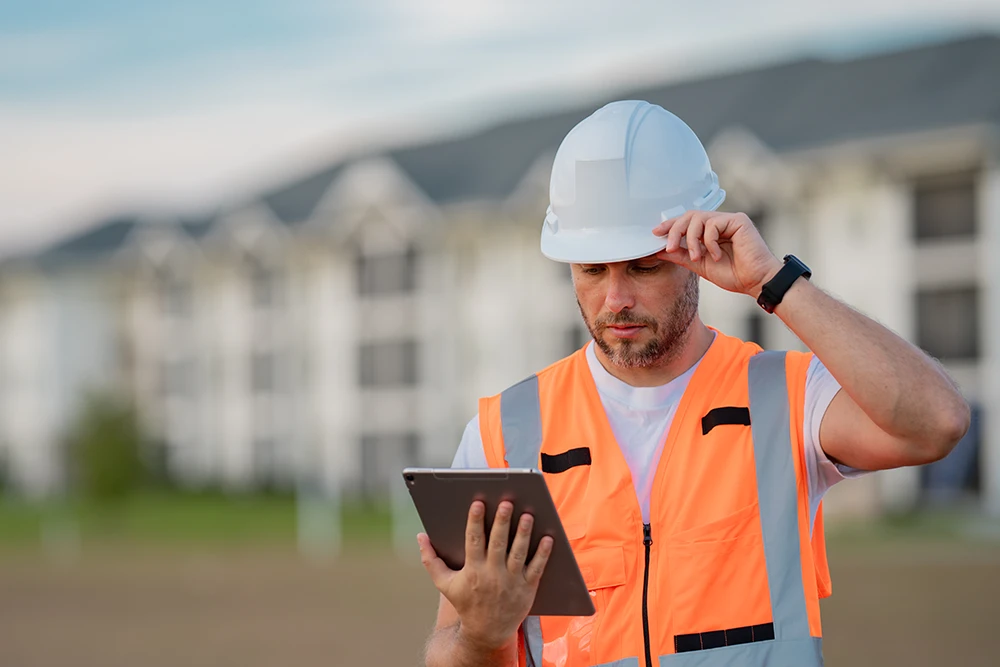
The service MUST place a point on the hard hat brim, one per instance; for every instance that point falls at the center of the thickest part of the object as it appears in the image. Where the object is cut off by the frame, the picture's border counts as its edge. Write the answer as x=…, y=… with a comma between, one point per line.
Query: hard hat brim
x=621, y=244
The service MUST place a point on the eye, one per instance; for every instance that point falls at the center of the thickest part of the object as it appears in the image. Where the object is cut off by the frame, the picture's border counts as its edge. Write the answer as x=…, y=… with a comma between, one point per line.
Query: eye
x=646, y=269
x=592, y=270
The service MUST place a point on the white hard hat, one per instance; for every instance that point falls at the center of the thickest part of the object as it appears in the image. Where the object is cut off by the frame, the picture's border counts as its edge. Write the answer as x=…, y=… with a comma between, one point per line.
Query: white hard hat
x=619, y=173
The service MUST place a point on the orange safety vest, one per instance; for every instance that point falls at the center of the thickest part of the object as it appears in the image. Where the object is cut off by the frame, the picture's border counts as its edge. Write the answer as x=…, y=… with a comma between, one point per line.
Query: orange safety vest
x=725, y=573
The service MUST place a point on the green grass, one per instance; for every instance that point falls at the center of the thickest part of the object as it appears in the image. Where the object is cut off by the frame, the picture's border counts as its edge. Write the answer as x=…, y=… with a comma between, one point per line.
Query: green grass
x=920, y=529
x=217, y=519
x=179, y=518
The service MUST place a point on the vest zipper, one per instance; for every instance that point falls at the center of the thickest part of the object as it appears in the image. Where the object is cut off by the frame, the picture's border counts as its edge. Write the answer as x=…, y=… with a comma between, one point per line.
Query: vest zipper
x=647, y=540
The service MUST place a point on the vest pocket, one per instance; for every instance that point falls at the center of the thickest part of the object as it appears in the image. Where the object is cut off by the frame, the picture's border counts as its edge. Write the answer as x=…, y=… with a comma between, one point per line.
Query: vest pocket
x=731, y=526
x=573, y=640
x=602, y=567
x=718, y=575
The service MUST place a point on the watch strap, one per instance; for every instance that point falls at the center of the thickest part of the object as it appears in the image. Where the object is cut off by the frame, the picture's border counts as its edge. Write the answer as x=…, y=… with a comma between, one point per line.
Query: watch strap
x=774, y=289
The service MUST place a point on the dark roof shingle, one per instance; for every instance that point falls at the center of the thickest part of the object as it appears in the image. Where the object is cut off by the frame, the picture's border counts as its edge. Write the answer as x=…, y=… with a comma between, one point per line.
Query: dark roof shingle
x=97, y=239
x=296, y=202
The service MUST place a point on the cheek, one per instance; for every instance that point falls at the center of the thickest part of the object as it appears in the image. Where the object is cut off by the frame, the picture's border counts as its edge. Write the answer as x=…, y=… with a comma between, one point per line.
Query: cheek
x=591, y=299
x=591, y=303
x=657, y=299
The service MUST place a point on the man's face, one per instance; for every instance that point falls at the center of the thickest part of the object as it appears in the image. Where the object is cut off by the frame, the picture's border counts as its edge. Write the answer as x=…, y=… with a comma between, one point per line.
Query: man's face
x=638, y=311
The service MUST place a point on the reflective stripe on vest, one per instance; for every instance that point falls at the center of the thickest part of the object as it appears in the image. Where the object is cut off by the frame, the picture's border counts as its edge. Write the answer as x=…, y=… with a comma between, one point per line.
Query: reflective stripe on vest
x=520, y=414
x=776, y=494
x=521, y=420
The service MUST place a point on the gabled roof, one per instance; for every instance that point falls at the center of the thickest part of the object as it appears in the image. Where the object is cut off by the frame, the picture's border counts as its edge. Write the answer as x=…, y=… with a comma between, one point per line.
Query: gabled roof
x=103, y=237
x=108, y=236
x=296, y=202
x=804, y=103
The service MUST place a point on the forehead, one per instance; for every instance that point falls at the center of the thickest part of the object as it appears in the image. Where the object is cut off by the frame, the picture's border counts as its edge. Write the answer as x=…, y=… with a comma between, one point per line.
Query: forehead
x=649, y=260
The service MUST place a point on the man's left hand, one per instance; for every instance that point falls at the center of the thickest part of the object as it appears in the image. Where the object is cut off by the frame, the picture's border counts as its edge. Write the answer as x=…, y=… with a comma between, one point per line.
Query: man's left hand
x=723, y=248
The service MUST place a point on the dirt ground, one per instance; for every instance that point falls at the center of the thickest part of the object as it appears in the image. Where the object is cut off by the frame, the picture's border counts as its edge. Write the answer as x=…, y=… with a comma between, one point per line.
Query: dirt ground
x=126, y=607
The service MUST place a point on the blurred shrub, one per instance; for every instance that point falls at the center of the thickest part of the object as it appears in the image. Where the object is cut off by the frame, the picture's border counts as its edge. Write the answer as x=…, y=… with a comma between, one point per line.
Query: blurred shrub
x=105, y=445
x=5, y=476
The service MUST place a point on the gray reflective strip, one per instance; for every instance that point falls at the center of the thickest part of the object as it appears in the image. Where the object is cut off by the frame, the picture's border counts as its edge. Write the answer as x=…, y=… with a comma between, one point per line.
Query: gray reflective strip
x=533, y=638
x=777, y=495
x=624, y=662
x=794, y=653
x=521, y=422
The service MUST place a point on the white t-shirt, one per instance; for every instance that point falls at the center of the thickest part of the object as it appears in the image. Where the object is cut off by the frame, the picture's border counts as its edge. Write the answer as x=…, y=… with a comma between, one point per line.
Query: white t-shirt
x=640, y=418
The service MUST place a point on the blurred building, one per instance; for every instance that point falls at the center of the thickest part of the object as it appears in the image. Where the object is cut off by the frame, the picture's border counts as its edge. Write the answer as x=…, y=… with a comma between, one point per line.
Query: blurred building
x=343, y=325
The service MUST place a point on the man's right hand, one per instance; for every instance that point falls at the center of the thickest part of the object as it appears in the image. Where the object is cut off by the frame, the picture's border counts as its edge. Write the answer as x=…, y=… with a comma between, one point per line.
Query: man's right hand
x=494, y=590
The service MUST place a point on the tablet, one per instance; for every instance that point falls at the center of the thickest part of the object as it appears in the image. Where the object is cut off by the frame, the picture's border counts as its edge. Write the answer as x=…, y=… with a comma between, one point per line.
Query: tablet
x=443, y=496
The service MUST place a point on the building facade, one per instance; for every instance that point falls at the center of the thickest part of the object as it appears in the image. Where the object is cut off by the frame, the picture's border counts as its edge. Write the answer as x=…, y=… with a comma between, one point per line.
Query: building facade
x=342, y=326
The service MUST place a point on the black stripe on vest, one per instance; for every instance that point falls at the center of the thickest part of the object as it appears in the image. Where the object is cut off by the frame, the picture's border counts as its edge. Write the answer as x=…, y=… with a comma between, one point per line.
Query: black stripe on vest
x=720, y=416
x=700, y=641
x=563, y=462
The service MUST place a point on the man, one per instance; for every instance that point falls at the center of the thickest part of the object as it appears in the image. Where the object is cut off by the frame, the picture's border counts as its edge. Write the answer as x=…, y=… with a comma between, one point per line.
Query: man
x=689, y=465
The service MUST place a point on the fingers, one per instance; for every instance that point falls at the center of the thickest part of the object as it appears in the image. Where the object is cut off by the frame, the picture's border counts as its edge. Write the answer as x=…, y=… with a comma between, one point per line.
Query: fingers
x=519, y=548
x=677, y=231
x=700, y=232
x=711, y=241
x=533, y=573
x=475, y=534
x=695, y=229
x=497, y=551
x=440, y=573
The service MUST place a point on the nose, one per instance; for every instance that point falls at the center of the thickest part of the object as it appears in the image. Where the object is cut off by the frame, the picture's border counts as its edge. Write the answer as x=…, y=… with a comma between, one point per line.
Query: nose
x=619, y=295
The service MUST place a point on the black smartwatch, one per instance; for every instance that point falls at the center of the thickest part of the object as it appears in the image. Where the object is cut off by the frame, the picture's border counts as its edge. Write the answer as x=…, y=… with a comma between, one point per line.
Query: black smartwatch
x=775, y=288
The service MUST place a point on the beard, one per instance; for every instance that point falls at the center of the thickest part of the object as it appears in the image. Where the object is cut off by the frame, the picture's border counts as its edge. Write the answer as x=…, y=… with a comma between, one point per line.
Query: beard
x=668, y=334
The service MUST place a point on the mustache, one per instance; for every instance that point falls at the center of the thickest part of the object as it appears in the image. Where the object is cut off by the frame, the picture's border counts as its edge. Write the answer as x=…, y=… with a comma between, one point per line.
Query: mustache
x=624, y=319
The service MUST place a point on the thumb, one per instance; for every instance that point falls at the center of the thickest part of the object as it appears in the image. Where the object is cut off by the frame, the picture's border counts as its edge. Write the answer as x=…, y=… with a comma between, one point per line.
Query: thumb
x=440, y=573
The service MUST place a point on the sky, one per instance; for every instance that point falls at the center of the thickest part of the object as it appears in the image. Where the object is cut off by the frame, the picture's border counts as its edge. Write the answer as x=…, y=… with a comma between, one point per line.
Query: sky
x=182, y=106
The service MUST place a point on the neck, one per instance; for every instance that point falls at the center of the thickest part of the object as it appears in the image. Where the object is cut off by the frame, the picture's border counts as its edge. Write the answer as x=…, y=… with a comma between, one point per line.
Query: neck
x=691, y=348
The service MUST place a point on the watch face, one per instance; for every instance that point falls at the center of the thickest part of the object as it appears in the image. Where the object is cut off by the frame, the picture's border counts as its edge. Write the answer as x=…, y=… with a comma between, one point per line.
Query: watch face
x=795, y=261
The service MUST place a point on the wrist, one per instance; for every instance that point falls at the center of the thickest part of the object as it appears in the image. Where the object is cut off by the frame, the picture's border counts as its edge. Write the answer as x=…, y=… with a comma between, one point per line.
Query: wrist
x=484, y=644
x=774, y=289
x=772, y=270
x=792, y=296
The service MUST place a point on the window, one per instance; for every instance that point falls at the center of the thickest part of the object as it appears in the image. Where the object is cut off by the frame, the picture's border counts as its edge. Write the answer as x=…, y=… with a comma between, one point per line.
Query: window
x=383, y=456
x=948, y=322
x=175, y=296
x=177, y=378
x=389, y=364
x=755, y=324
x=945, y=207
x=958, y=475
x=272, y=468
x=262, y=373
x=266, y=287
x=387, y=274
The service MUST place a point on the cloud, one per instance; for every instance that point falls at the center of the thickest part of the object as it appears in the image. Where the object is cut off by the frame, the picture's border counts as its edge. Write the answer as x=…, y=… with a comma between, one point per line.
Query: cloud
x=230, y=109
x=40, y=53
x=55, y=173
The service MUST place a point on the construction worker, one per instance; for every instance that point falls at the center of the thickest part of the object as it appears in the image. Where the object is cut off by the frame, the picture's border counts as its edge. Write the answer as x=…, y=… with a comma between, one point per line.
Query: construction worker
x=687, y=466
